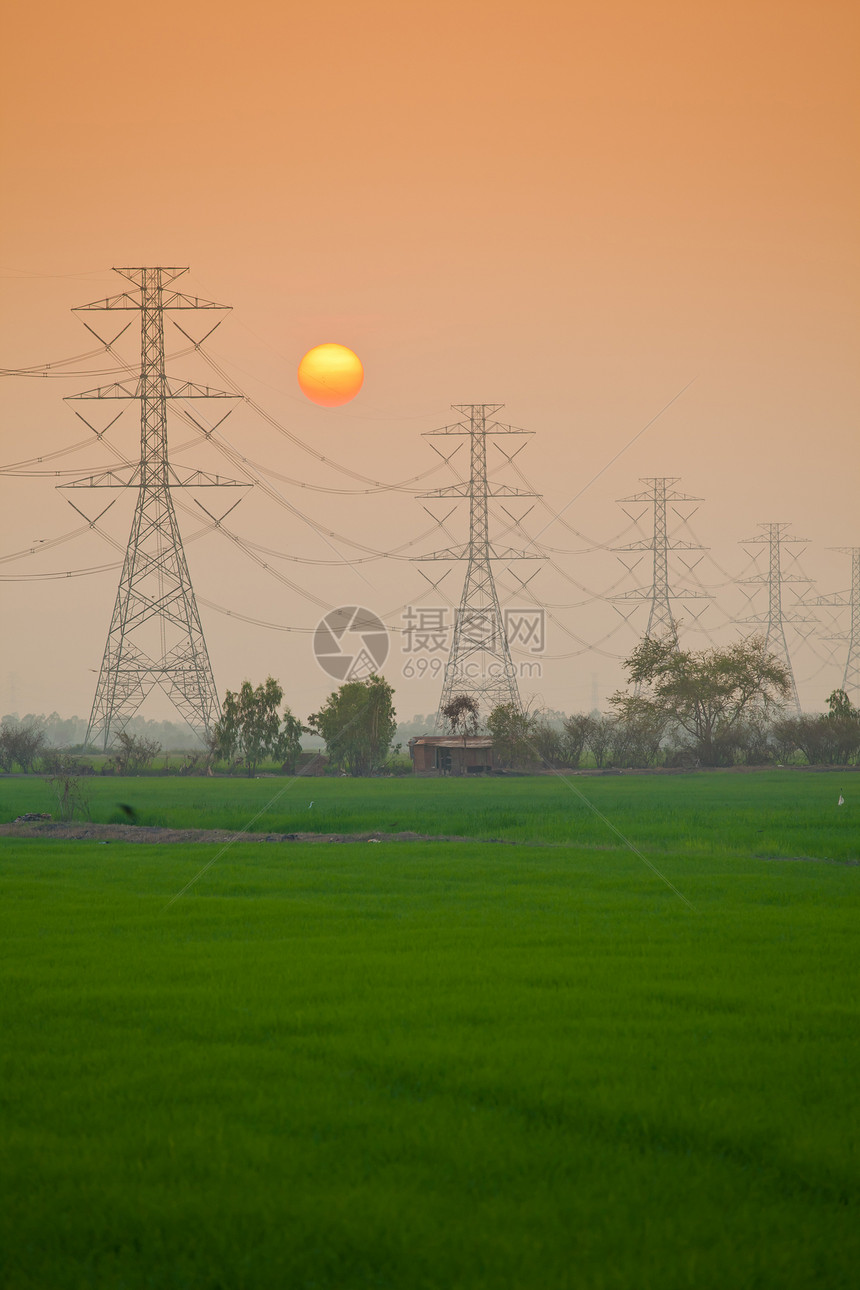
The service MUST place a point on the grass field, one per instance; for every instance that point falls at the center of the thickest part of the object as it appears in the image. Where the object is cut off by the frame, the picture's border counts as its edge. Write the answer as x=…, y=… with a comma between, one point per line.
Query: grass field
x=436, y=1064
x=773, y=813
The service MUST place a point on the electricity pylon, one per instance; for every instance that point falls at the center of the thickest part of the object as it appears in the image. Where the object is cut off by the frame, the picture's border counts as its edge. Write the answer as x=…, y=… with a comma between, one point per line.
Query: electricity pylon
x=661, y=620
x=775, y=619
x=155, y=636
x=479, y=663
x=851, y=675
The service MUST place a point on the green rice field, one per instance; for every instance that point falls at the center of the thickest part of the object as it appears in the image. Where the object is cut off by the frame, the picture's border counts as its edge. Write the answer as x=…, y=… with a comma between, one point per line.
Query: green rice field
x=436, y=1064
x=770, y=813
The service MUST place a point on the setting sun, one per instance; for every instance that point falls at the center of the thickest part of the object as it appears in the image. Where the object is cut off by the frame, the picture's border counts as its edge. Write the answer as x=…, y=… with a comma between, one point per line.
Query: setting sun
x=330, y=375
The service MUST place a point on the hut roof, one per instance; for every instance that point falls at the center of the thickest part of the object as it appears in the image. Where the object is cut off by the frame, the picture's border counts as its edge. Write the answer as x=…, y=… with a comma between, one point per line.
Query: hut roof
x=453, y=741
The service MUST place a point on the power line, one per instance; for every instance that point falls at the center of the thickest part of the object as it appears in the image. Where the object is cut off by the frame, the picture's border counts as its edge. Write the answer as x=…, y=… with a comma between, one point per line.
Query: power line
x=557, y=516
x=291, y=435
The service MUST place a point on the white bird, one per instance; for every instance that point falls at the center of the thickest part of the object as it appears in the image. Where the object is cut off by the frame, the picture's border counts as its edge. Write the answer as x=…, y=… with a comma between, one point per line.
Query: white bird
x=310, y=804
x=841, y=801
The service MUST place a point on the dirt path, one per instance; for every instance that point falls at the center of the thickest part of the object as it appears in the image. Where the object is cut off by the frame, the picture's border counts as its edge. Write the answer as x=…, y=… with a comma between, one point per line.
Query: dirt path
x=56, y=830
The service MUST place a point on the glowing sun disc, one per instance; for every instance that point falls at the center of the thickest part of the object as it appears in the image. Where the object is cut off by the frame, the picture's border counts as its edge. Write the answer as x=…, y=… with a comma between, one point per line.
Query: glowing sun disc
x=330, y=375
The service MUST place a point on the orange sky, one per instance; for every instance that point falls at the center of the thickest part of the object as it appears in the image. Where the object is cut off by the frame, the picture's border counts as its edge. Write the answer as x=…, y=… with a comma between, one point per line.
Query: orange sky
x=572, y=209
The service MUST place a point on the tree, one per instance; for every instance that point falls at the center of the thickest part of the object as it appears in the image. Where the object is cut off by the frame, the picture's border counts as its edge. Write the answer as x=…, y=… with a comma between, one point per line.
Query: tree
x=290, y=746
x=844, y=720
x=840, y=705
x=513, y=733
x=707, y=696
x=358, y=723
x=462, y=715
x=250, y=728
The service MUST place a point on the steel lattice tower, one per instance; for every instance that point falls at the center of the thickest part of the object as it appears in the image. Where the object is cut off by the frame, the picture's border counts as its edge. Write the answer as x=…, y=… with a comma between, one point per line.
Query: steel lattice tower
x=775, y=619
x=661, y=620
x=479, y=663
x=851, y=675
x=155, y=636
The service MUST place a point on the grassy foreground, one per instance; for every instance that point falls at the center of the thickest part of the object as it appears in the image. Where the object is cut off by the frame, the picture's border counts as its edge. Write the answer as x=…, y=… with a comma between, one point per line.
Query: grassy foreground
x=426, y=1065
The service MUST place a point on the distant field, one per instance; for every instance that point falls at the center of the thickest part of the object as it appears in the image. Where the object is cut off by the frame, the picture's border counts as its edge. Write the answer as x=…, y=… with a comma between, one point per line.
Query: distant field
x=436, y=1065
x=769, y=813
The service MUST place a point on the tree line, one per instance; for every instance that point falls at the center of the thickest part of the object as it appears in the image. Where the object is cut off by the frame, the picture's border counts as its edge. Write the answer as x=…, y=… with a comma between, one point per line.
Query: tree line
x=70, y=732
x=357, y=723
x=680, y=708
x=686, y=708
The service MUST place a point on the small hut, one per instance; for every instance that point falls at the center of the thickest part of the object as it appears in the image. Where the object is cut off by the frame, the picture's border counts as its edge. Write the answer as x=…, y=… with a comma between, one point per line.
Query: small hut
x=451, y=754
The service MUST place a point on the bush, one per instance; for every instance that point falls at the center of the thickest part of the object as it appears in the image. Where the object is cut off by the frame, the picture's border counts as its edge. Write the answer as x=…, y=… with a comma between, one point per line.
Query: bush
x=635, y=738
x=21, y=744
x=549, y=743
x=134, y=753
x=575, y=733
x=599, y=738
x=63, y=775
x=823, y=740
